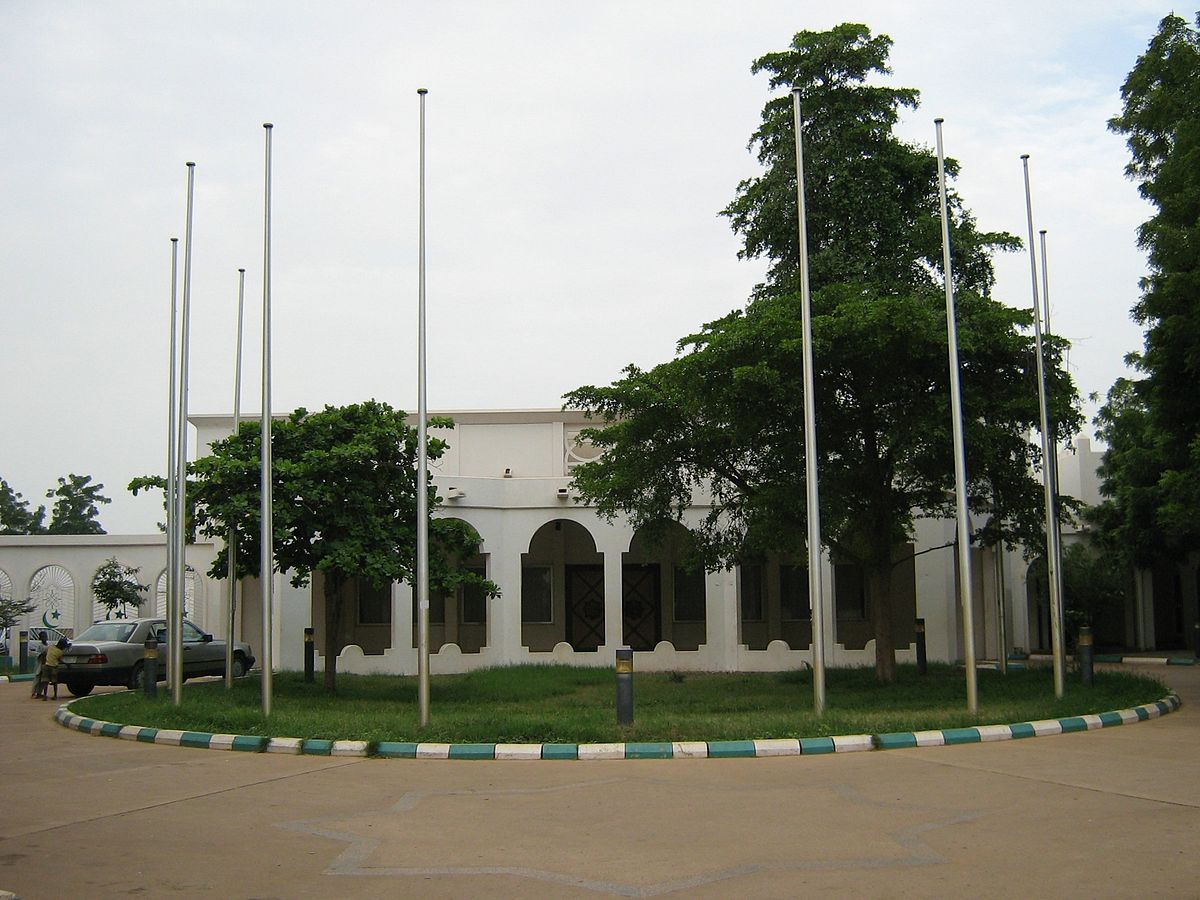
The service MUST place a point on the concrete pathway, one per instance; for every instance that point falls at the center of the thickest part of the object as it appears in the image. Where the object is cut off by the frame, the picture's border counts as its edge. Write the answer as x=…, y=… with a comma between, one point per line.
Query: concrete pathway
x=1104, y=813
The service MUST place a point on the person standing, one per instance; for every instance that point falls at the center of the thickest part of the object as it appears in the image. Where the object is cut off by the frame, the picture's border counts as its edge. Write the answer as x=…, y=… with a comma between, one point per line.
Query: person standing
x=54, y=657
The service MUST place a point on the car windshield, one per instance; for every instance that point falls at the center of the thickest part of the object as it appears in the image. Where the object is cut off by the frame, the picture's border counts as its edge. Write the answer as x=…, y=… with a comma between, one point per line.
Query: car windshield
x=108, y=631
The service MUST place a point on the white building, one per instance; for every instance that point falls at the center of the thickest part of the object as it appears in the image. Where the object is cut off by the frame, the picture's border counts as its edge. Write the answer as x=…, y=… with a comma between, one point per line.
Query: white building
x=574, y=587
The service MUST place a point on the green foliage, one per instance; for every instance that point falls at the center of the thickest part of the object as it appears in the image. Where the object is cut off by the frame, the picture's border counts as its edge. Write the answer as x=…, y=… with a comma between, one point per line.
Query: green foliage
x=1151, y=474
x=345, y=504
x=871, y=199
x=76, y=509
x=1096, y=587
x=13, y=610
x=116, y=588
x=15, y=515
x=725, y=416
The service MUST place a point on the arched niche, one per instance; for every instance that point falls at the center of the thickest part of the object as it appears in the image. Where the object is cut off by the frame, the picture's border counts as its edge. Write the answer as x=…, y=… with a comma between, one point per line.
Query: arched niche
x=52, y=590
x=562, y=588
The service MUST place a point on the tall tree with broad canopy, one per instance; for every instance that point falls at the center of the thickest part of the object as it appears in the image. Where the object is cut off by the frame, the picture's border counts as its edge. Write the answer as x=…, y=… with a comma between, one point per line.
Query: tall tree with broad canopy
x=345, y=505
x=115, y=588
x=76, y=507
x=15, y=515
x=725, y=416
x=1151, y=471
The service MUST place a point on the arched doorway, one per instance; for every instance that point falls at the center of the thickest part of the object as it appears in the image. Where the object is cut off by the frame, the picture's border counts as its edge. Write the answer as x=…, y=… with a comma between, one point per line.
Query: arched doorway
x=663, y=597
x=562, y=589
x=458, y=617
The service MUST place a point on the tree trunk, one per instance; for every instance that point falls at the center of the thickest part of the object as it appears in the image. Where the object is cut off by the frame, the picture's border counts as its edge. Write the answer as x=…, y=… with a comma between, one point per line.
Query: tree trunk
x=333, y=627
x=879, y=595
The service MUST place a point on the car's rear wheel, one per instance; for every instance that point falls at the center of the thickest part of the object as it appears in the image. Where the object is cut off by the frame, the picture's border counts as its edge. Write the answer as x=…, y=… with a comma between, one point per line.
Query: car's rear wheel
x=137, y=678
x=239, y=666
x=79, y=688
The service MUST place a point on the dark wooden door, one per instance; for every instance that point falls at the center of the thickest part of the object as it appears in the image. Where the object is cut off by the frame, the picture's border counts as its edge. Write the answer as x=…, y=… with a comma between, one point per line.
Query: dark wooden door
x=585, y=607
x=641, y=606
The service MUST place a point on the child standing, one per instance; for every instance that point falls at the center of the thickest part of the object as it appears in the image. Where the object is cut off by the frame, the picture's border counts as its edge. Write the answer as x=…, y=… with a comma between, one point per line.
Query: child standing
x=54, y=657
x=39, y=675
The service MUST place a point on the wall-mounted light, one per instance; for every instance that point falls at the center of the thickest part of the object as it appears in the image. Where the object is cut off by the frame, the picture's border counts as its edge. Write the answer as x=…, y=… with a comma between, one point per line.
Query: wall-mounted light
x=508, y=473
x=455, y=493
x=563, y=494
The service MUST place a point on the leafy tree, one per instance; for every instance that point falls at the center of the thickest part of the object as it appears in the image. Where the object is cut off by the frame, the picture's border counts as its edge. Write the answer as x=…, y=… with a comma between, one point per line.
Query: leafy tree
x=76, y=509
x=12, y=610
x=15, y=516
x=1151, y=473
x=345, y=504
x=1096, y=586
x=116, y=588
x=725, y=415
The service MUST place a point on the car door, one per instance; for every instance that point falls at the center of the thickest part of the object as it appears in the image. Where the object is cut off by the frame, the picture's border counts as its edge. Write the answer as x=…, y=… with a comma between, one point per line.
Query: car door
x=201, y=655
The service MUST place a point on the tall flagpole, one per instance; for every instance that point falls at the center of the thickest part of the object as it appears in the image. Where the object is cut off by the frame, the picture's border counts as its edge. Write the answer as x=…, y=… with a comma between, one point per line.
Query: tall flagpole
x=266, y=560
x=231, y=545
x=172, y=435
x=1053, y=460
x=1052, y=549
x=175, y=633
x=960, y=453
x=1045, y=284
x=422, y=457
x=812, y=499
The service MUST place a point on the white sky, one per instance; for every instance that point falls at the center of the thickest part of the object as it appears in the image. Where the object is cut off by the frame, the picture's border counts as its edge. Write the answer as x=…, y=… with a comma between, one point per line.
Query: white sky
x=577, y=156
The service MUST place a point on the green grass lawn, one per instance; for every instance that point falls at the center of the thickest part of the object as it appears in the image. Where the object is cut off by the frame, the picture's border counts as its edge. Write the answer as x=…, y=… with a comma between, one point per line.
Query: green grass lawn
x=563, y=704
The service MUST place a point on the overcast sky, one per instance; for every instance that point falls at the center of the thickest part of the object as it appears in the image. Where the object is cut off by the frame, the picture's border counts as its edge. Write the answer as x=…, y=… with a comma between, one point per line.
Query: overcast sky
x=577, y=156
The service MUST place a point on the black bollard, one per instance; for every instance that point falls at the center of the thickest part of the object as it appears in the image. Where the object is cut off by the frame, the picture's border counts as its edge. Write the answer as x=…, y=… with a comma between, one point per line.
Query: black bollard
x=22, y=651
x=1196, y=645
x=1086, y=655
x=922, y=659
x=310, y=657
x=624, y=687
x=150, y=669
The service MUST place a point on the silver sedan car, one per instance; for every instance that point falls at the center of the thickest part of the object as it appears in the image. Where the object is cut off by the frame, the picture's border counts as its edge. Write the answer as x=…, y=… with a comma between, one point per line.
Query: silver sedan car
x=113, y=652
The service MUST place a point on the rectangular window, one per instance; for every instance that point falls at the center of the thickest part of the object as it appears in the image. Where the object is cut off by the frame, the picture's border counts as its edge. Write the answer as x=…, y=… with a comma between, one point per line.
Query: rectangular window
x=374, y=604
x=472, y=602
x=537, y=599
x=689, y=595
x=793, y=593
x=850, y=591
x=750, y=582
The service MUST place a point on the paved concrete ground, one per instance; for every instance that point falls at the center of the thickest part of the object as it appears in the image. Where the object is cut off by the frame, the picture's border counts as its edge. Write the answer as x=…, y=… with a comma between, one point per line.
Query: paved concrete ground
x=1105, y=813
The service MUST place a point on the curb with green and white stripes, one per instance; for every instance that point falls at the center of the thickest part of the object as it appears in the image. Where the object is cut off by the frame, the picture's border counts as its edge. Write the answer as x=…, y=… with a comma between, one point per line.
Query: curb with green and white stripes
x=1129, y=660
x=649, y=750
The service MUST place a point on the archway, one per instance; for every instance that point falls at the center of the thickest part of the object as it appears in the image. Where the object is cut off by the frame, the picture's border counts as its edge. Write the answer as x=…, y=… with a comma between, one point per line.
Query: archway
x=52, y=590
x=458, y=617
x=190, y=607
x=662, y=597
x=562, y=588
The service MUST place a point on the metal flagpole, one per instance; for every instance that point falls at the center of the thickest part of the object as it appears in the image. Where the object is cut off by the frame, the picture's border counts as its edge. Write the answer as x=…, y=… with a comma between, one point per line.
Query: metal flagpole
x=1053, y=460
x=812, y=499
x=231, y=545
x=266, y=559
x=960, y=454
x=1001, y=612
x=422, y=457
x=175, y=632
x=1052, y=550
x=1045, y=285
x=172, y=435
